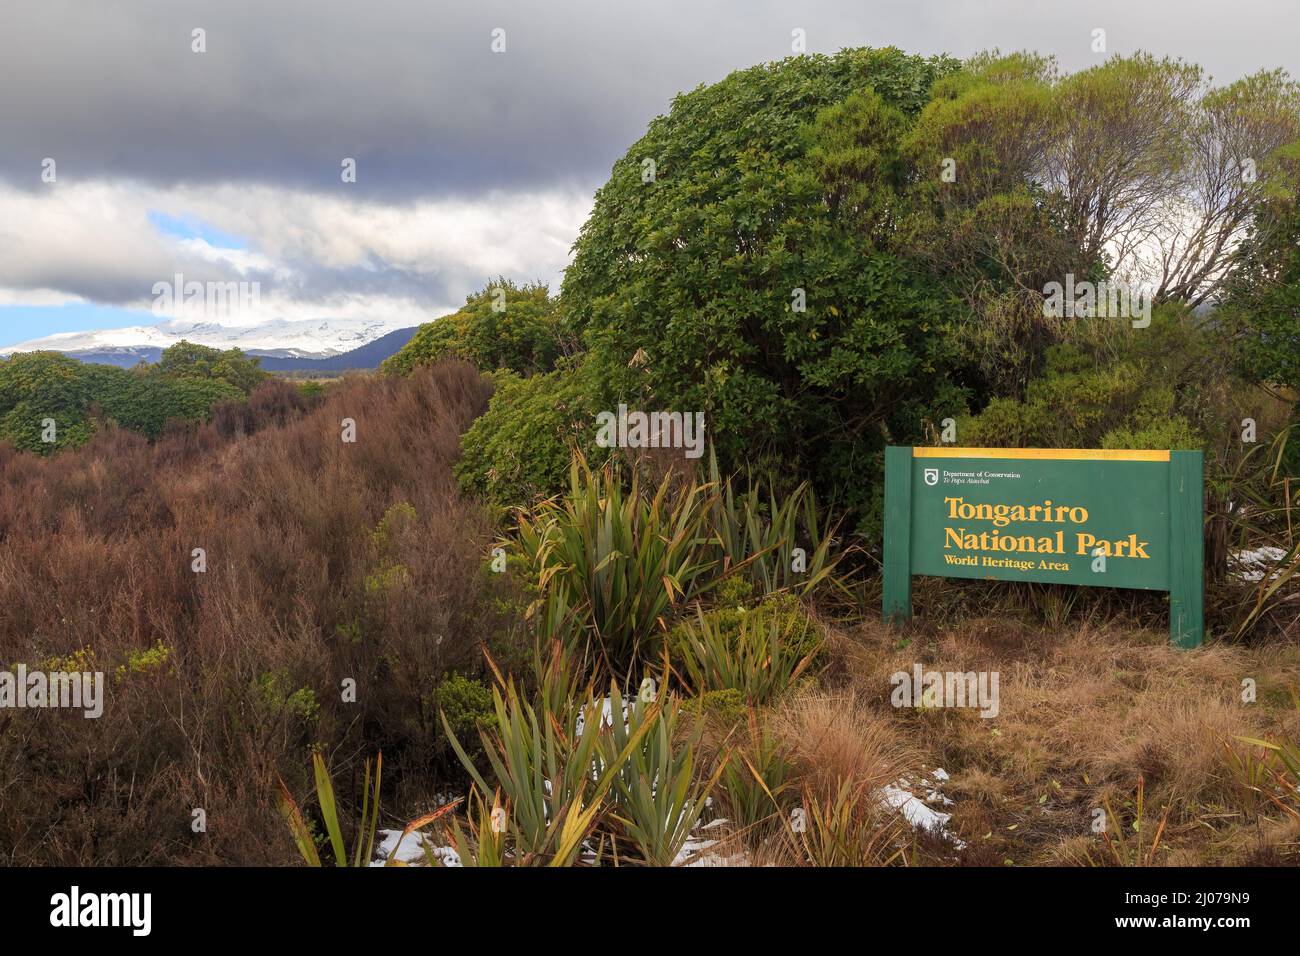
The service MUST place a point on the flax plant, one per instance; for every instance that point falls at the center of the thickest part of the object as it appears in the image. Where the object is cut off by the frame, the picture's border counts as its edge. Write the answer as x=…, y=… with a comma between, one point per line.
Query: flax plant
x=757, y=536
x=769, y=653
x=621, y=560
x=553, y=790
x=364, y=842
x=659, y=792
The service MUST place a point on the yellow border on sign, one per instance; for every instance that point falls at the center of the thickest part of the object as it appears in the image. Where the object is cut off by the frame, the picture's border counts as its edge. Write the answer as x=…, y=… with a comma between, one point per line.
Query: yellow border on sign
x=1044, y=454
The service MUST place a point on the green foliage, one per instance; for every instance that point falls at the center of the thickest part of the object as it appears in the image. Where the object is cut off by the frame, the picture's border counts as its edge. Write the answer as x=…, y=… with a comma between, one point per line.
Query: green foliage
x=619, y=559
x=184, y=385
x=364, y=840
x=657, y=795
x=724, y=708
x=547, y=771
x=82, y=660
x=561, y=670
x=685, y=285
x=152, y=659
x=505, y=326
x=399, y=519
x=990, y=229
x=520, y=448
x=35, y=386
x=614, y=564
x=1260, y=314
x=759, y=651
x=483, y=842
x=756, y=783
x=311, y=389
x=1136, y=390
x=305, y=834
x=759, y=536
x=562, y=779
x=276, y=695
x=186, y=360
x=1052, y=174
x=389, y=574
x=465, y=703
x=145, y=403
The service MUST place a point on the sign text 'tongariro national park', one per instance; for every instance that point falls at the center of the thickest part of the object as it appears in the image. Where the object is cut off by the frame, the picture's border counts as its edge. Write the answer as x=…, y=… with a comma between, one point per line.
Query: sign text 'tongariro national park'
x=1105, y=518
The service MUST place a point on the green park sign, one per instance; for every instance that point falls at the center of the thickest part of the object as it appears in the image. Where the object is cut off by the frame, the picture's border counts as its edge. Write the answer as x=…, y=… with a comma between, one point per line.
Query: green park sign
x=1104, y=518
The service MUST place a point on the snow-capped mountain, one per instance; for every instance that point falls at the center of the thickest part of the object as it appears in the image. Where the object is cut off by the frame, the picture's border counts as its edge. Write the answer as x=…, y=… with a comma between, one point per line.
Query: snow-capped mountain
x=289, y=338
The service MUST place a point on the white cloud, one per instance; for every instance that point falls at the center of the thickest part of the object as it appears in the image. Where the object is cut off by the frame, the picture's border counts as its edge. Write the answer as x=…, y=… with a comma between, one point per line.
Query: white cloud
x=313, y=255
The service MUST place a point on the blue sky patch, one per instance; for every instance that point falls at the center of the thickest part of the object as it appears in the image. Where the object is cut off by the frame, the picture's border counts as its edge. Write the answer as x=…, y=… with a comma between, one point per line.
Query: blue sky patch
x=191, y=227
x=21, y=323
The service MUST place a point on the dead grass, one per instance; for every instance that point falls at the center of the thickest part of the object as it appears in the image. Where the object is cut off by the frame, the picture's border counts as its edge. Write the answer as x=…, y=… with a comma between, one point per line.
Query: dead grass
x=1084, y=712
x=833, y=739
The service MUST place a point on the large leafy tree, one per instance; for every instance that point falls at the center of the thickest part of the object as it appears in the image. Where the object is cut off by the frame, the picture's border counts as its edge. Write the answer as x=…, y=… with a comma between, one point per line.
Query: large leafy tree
x=740, y=261
x=1137, y=170
x=504, y=326
x=187, y=360
x=1260, y=313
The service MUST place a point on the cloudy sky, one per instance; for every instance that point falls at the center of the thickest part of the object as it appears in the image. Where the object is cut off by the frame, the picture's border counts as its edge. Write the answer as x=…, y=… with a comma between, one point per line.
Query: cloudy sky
x=227, y=164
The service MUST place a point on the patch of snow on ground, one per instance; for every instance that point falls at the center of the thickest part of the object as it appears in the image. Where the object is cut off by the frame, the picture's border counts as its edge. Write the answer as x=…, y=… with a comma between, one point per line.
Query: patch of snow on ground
x=606, y=715
x=918, y=812
x=692, y=851
x=1253, y=563
x=411, y=851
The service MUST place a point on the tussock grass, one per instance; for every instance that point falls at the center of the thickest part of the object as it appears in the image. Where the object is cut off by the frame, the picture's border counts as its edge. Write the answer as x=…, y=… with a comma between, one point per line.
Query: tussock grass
x=1085, y=713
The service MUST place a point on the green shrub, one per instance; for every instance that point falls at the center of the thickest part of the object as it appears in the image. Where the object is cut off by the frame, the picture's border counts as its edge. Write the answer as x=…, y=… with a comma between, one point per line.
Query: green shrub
x=759, y=652
x=399, y=519
x=153, y=659
x=1258, y=317
x=523, y=337
x=184, y=385
x=389, y=574
x=186, y=360
x=311, y=389
x=724, y=708
x=752, y=280
x=145, y=403
x=519, y=450
x=36, y=386
x=466, y=704
x=275, y=694
x=620, y=560
x=1141, y=392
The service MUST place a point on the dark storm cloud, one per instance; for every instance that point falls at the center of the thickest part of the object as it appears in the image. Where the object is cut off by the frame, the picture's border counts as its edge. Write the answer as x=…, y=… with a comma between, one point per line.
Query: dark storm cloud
x=311, y=283
x=411, y=89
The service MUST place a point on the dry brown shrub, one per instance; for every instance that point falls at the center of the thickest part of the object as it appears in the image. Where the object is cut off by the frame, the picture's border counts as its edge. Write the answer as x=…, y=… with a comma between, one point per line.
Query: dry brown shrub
x=95, y=556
